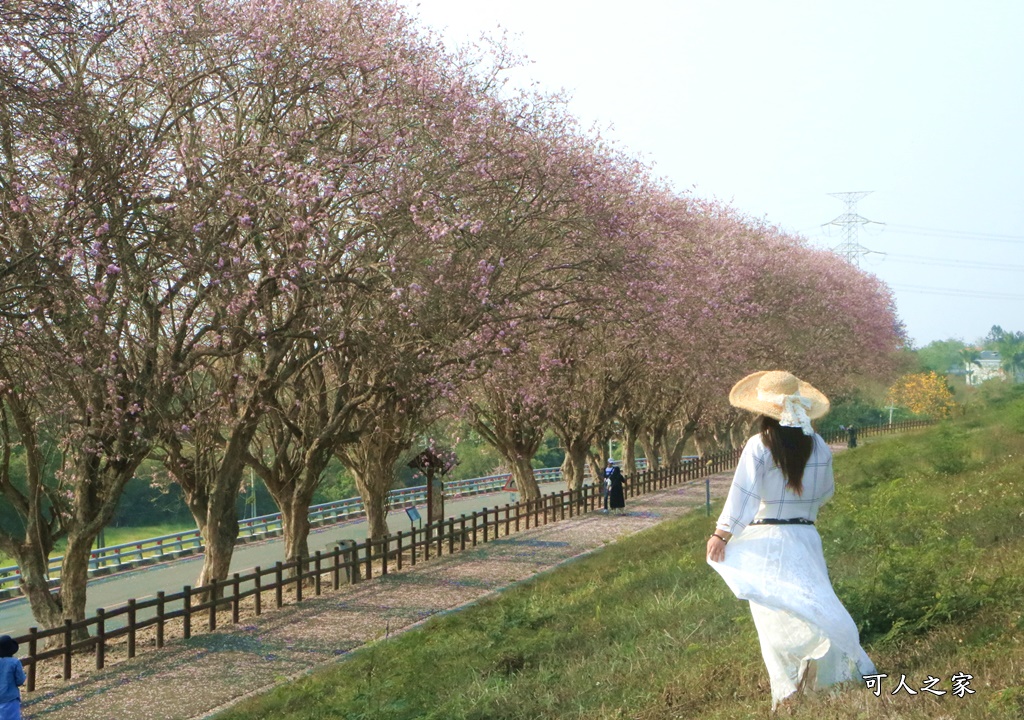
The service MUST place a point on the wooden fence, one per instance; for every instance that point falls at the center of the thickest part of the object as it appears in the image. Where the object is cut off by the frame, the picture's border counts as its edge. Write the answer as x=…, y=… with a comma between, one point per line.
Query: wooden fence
x=349, y=562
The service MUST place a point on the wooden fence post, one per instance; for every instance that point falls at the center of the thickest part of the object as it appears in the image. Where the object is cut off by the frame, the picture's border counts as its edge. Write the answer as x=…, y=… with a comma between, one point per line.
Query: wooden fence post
x=412, y=546
x=160, y=619
x=101, y=636
x=214, y=596
x=67, y=649
x=369, y=558
x=258, y=593
x=186, y=617
x=355, y=574
x=33, y=648
x=131, y=628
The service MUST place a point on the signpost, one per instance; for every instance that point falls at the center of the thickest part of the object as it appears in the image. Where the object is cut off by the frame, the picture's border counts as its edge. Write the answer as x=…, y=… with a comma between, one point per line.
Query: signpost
x=414, y=516
x=431, y=462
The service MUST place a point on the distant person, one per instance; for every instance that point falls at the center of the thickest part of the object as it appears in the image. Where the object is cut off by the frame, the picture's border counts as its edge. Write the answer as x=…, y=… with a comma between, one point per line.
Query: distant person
x=12, y=676
x=808, y=639
x=851, y=436
x=615, y=482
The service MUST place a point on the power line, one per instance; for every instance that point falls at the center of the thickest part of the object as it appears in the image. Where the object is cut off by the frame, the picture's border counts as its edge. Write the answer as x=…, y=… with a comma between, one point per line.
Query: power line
x=954, y=234
x=947, y=262
x=955, y=293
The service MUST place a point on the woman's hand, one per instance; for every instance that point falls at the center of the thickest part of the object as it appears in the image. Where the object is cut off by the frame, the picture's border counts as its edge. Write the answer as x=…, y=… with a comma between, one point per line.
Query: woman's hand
x=716, y=546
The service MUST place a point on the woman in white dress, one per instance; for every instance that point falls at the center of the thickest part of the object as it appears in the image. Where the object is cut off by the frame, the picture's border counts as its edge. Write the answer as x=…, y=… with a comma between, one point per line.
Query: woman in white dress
x=774, y=557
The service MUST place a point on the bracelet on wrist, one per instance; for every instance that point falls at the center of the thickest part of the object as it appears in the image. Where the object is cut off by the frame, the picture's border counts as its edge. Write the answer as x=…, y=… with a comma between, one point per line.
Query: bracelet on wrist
x=716, y=535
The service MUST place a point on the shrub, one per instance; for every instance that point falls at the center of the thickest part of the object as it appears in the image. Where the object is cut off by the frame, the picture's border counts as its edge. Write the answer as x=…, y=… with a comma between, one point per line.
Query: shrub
x=948, y=452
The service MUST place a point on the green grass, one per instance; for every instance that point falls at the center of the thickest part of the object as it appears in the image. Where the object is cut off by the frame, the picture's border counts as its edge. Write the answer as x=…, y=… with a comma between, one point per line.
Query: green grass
x=924, y=545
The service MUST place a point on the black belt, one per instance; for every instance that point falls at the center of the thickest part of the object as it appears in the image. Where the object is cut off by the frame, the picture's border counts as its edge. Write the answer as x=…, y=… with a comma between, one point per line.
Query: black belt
x=783, y=521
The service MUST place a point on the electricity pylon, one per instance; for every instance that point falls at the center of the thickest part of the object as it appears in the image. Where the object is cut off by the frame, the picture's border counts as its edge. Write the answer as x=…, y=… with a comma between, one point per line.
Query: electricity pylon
x=850, y=221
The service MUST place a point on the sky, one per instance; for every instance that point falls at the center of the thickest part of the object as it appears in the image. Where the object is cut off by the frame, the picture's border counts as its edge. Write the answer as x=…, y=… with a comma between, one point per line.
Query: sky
x=773, y=105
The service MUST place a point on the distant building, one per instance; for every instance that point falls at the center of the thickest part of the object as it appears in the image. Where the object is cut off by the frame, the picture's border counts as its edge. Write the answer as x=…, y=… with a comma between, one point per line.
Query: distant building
x=987, y=368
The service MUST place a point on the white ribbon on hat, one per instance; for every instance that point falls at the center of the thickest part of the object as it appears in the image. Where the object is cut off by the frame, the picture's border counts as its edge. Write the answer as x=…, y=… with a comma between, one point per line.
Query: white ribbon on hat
x=794, y=409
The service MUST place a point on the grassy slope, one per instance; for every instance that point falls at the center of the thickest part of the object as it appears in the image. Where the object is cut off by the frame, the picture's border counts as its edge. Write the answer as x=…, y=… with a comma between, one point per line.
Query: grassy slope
x=924, y=541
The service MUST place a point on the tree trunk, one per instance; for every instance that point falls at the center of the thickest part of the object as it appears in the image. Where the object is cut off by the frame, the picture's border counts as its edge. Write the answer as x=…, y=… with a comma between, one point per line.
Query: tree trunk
x=574, y=465
x=517, y=442
x=31, y=547
x=723, y=438
x=98, y=489
x=525, y=480
x=704, y=442
x=219, y=531
x=737, y=435
x=211, y=482
x=35, y=587
x=629, y=450
x=376, y=508
x=74, y=578
x=646, y=440
x=680, y=444
x=292, y=490
x=596, y=467
x=372, y=462
x=295, y=522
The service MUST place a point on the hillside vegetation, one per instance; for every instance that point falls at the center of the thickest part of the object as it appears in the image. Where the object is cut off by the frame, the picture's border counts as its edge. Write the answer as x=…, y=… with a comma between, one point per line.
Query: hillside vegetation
x=924, y=543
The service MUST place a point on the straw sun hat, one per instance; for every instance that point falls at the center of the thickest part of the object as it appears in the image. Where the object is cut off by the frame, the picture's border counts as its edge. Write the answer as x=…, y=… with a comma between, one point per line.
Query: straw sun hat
x=780, y=395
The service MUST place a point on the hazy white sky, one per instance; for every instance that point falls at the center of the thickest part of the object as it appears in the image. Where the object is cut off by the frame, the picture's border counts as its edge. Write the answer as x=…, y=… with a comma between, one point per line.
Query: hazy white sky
x=773, y=104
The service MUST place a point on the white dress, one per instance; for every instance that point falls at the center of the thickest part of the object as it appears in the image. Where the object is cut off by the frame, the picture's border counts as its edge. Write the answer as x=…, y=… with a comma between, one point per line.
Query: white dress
x=802, y=625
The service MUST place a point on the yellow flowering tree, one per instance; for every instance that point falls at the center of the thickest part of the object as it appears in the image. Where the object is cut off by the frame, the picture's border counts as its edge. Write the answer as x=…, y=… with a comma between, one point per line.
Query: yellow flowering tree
x=923, y=394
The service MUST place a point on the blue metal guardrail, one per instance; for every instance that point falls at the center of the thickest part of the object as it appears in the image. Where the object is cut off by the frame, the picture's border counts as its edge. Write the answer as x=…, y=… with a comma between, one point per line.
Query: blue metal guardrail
x=125, y=556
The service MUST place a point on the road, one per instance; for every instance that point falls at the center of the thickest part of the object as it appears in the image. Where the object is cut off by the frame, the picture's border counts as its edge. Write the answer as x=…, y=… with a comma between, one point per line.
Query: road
x=114, y=590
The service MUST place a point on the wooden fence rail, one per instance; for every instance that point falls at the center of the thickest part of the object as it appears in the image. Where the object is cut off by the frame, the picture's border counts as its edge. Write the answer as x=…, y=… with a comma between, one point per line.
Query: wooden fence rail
x=348, y=563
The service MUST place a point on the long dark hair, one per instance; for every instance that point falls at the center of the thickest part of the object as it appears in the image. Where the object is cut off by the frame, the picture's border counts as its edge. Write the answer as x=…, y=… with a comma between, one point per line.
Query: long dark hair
x=790, y=449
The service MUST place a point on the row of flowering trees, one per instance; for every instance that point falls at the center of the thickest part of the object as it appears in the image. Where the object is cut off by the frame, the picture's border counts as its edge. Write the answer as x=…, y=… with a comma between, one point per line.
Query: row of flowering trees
x=246, y=235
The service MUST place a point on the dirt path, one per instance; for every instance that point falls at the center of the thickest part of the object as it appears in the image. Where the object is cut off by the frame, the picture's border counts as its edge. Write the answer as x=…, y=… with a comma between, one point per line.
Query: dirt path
x=196, y=678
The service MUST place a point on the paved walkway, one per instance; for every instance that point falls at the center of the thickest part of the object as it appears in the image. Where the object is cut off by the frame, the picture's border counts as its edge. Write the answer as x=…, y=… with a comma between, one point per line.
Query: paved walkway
x=196, y=678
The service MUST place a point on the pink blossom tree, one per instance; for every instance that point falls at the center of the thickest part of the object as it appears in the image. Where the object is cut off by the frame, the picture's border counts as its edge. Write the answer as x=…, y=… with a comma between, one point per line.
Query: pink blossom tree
x=93, y=278
x=294, y=118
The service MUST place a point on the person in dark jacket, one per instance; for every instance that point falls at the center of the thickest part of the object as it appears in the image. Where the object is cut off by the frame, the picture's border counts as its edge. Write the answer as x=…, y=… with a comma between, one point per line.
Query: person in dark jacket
x=615, y=493
x=12, y=675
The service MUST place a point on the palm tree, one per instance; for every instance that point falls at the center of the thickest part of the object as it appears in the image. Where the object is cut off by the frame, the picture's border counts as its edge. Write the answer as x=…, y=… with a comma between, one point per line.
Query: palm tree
x=970, y=356
x=1014, y=365
x=1011, y=354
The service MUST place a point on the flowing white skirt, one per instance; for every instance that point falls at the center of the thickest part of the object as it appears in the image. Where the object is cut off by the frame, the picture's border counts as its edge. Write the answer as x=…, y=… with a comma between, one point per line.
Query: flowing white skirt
x=801, y=623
